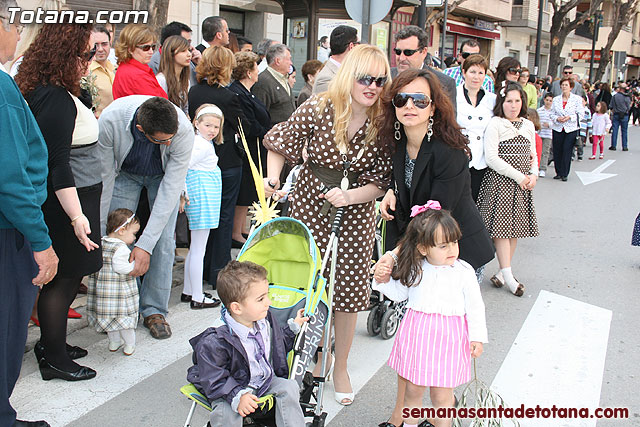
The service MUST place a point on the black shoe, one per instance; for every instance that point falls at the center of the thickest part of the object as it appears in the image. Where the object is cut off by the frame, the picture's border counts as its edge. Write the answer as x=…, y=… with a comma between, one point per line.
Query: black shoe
x=625, y=149
x=20, y=423
x=557, y=177
x=235, y=244
x=48, y=372
x=196, y=305
x=612, y=148
x=564, y=179
x=187, y=298
x=74, y=352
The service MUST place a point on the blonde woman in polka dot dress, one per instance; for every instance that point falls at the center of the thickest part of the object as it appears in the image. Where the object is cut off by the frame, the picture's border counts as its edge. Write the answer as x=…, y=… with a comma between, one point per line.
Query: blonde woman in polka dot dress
x=506, y=199
x=337, y=128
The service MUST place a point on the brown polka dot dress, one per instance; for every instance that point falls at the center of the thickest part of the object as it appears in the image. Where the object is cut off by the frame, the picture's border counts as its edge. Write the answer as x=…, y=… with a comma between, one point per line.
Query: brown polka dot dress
x=507, y=210
x=308, y=124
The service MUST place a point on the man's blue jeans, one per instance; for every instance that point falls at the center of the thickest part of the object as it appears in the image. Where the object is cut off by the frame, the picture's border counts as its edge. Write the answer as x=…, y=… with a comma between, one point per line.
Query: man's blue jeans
x=155, y=289
x=615, y=124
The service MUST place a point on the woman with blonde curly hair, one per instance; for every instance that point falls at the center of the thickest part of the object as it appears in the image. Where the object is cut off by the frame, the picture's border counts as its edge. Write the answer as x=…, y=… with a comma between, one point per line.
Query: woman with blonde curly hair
x=214, y=74
x=134, y=50
x=337, y=128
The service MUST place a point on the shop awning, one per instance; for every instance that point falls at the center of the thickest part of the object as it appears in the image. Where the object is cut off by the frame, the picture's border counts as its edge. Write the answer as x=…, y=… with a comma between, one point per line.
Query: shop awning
x=470, y=30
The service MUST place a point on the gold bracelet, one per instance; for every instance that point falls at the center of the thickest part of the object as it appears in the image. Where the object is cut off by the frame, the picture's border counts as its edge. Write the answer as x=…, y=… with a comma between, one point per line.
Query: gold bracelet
x=74, y=219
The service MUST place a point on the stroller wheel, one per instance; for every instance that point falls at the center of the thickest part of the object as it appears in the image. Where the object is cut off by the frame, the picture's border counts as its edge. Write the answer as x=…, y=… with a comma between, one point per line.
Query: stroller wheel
x=373, y=321
x=389, y=323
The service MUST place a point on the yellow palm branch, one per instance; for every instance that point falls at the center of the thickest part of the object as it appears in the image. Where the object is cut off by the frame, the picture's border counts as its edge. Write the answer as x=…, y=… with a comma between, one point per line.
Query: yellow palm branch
x=263, y=210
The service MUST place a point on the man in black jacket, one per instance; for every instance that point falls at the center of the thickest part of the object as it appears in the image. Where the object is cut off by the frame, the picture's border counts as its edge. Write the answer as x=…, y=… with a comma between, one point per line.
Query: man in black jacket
x=620, y=107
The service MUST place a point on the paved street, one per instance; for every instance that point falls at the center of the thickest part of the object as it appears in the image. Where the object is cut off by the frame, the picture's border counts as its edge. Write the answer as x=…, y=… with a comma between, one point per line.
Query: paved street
x=571, y=340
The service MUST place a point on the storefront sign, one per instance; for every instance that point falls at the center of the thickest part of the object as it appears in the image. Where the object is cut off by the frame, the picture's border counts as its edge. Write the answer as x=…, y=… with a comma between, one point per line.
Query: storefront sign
x=584, y=54
x=484, y=25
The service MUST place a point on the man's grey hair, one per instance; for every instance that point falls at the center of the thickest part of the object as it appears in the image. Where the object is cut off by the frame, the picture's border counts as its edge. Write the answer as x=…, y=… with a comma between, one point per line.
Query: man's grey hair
x=276, y=51
x=412, y=30
x=212, y=26
x=4, y=12
x=263, y=46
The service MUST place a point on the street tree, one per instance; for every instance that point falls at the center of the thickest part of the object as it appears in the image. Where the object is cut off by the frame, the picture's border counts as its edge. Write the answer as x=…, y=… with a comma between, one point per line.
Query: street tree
x=435, y=15
x=621, y=14
x=158, y=12
x=562, y=25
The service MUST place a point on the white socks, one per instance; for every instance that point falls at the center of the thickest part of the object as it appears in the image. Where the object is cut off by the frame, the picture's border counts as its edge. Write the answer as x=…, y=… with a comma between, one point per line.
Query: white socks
x=194, y=264
x=129, y=337
x=509, y=280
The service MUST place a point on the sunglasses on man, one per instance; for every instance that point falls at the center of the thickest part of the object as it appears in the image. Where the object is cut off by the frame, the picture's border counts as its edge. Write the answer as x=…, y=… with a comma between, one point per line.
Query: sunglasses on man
x=407, y=52
x=420, y=100
x=147, y=47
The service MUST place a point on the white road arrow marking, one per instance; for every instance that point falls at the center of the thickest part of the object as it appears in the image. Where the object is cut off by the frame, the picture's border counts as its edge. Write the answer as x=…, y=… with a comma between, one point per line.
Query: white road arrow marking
x=597, y=175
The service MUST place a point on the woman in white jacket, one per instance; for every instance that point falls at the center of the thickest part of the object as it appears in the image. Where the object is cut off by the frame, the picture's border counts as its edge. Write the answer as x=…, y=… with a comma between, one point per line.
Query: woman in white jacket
x=564, y=113
x=474, y=111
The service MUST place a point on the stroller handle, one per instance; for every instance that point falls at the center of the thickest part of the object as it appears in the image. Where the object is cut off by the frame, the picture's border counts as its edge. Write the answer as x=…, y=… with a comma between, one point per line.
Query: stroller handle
x=337, y=221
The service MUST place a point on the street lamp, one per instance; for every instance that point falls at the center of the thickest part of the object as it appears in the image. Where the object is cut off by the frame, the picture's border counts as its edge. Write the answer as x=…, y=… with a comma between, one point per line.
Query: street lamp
x=597, y=19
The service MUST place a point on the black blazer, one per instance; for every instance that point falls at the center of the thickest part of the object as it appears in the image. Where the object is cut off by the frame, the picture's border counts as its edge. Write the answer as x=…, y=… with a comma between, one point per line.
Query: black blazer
x=229, y=153
x=441, y=173
x=254, y=110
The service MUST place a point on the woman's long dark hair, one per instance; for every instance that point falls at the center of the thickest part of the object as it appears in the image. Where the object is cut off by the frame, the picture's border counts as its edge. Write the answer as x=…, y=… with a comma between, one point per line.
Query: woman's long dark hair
x=423, y=230
x=445, y=125
x=502, y=68
x=177, y=85
x=56, y=57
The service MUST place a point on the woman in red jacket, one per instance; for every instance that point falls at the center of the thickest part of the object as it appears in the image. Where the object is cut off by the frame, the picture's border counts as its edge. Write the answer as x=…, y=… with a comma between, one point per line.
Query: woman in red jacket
x=134, y=49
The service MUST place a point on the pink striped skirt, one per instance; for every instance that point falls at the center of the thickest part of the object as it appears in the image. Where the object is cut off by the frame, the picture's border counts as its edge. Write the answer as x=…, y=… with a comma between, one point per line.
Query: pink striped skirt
x=432, y=350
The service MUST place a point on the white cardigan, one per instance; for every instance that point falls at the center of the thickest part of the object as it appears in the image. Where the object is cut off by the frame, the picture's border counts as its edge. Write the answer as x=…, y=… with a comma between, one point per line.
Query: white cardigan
x=447, y=290
x=474, y=121
x=500, y=129
x=573, y=108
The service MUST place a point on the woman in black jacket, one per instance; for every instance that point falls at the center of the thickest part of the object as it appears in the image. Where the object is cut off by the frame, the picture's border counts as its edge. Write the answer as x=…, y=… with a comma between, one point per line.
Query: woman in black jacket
x=213, y=74
x=431, y=162
x=245, y=75
x=605, y=94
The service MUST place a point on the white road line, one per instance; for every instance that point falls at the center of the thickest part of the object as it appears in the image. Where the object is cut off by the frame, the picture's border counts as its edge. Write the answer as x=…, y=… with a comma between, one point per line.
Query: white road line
x=116, y=372
x=557, y=359
x=596, y=175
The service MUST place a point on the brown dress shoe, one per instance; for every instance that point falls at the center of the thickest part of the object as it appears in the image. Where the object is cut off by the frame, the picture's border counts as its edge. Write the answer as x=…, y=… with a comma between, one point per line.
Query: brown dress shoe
x=158, y=326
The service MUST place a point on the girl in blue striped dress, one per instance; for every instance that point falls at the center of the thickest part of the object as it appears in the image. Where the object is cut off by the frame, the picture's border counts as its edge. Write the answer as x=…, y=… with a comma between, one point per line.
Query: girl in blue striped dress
x=201, y=201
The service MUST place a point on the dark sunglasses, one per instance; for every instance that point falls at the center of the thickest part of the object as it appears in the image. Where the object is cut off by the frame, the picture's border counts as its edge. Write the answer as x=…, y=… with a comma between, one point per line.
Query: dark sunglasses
x=146, y=47
x=158, y=141
x=420, y=100
x=88, y=55
x=514, y=70
x=367, y=80
x=465, y=55
x=407, y=52
x=567, y=72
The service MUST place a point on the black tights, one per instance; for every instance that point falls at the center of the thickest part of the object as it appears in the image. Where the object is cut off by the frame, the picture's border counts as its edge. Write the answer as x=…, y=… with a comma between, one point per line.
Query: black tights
x=53, y=305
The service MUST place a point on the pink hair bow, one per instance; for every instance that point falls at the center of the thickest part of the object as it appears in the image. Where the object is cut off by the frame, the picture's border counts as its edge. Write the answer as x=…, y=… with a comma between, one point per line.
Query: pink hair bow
x=431, y=204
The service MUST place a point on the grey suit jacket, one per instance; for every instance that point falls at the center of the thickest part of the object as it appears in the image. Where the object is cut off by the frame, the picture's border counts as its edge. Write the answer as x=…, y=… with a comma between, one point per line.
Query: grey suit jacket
x=324, y=77
x=447, y=83
x=279, y=103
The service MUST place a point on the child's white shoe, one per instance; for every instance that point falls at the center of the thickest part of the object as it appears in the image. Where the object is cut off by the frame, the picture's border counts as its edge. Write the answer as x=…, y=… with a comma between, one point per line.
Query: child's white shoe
x=129, y=349
x=114, y=345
